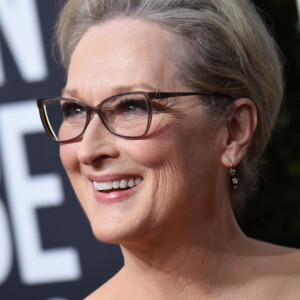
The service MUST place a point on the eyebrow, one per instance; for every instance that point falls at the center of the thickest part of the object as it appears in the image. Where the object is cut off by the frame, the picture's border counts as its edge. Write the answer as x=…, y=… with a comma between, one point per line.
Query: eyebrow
x=74, y=93
x=71, y=92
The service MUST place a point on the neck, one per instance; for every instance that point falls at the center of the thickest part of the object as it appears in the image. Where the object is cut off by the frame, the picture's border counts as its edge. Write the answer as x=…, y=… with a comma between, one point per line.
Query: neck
x=180, y=261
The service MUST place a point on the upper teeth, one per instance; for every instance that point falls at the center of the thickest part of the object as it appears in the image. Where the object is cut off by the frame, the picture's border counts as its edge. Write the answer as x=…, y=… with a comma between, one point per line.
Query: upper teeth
x=123, y=183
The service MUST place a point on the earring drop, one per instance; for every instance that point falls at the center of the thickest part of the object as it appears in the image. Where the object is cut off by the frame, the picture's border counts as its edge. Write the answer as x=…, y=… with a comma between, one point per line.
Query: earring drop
x=234, y=180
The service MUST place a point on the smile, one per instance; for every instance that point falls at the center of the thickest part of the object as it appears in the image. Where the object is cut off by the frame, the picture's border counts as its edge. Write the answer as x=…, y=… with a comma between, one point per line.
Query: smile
x=123, y=184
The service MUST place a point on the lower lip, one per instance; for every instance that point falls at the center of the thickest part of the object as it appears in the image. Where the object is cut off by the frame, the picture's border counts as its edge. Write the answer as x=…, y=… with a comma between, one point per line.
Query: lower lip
x=114, y=197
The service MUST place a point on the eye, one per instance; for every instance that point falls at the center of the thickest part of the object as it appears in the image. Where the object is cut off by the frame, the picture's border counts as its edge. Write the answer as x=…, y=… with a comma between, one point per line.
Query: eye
x=123, y=107
x=72, y=110
x=132, y=106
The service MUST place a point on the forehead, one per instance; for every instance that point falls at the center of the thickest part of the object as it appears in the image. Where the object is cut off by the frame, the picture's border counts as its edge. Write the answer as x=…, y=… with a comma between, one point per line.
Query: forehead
x=123, y=53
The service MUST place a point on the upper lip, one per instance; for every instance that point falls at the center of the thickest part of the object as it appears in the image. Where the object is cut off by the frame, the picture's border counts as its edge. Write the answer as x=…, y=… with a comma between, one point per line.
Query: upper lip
x=112, y=177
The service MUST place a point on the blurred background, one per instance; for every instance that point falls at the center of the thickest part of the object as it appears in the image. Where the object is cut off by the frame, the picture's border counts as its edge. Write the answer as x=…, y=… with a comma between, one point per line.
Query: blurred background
x=273, y=214
x=47, y=250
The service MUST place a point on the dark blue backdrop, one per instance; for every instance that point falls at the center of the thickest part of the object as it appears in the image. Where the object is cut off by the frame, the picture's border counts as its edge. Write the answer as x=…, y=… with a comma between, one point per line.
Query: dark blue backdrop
x=47, y=250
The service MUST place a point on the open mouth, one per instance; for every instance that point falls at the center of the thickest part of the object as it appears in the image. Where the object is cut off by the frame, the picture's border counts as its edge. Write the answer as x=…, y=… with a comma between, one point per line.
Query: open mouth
x=117, y=185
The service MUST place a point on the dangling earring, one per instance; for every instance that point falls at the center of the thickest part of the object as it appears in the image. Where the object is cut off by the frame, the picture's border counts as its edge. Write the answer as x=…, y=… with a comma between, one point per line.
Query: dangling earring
x=234, y=180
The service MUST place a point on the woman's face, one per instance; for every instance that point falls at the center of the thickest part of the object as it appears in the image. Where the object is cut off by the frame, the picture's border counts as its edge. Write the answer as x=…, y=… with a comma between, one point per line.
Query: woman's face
x=176, y=166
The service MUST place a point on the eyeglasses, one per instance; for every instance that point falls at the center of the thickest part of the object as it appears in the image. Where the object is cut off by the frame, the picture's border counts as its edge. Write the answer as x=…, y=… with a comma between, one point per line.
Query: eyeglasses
x=126, y=115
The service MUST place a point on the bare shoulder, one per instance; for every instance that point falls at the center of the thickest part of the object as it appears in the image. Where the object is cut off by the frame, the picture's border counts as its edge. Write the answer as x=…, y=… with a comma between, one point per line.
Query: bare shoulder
x=284, y=258
x=107, y=291
x=277, y=268
x=100, y=293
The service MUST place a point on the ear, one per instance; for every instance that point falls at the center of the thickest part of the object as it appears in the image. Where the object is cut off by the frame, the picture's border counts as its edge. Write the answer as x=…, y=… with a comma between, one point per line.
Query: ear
x=241, y=124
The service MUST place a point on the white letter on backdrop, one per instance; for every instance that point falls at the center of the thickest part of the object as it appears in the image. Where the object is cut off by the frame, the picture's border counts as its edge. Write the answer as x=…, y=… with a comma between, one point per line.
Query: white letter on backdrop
x=2, y=75
x=19, y=23
x=25, y=194
x=6, y=256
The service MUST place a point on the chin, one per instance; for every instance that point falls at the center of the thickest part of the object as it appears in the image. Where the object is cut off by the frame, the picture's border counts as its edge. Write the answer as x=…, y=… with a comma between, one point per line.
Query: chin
x=116, y=231
x=106, y=236
x=115, y=236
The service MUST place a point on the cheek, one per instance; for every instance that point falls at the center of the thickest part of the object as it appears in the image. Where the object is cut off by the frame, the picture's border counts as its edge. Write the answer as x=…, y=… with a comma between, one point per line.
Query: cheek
x=180, y=156
x=68, y=156
x=176, y=145
x=150, y=153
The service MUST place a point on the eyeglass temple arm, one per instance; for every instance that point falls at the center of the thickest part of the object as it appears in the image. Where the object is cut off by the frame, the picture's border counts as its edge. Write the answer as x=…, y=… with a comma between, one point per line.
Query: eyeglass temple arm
x=163, y=95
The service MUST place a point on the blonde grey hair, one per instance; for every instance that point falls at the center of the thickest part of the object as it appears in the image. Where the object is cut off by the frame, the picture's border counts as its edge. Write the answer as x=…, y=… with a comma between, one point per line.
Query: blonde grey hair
x=227, y=49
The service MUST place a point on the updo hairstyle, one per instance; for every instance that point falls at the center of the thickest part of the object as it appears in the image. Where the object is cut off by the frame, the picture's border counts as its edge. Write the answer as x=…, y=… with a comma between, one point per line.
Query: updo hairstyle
x=226, y=49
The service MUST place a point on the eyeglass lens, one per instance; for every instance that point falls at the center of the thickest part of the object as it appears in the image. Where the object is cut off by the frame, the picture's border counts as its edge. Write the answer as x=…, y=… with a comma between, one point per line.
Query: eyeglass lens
x=125, y=115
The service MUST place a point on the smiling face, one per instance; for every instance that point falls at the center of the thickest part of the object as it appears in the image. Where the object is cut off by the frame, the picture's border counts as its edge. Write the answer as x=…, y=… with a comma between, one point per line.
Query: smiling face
x=174, y=169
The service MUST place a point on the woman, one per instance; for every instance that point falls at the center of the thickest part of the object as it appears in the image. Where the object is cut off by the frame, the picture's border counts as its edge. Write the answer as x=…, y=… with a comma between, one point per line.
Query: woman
x=186, y=94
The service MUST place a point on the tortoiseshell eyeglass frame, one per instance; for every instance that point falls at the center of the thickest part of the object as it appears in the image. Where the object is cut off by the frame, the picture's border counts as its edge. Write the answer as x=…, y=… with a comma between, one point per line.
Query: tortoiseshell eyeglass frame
x=90, y=111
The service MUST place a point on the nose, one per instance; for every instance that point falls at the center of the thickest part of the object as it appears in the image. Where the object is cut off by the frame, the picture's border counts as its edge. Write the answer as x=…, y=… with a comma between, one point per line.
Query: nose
x=97, y=143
